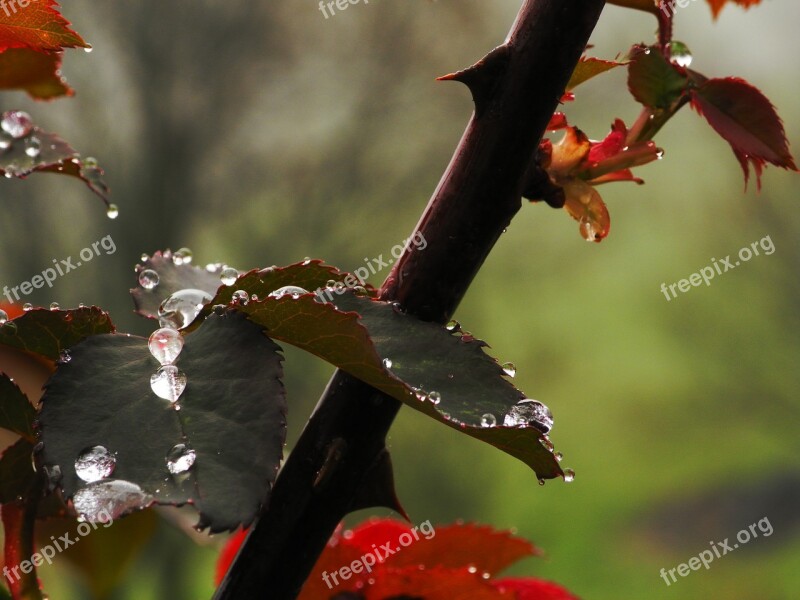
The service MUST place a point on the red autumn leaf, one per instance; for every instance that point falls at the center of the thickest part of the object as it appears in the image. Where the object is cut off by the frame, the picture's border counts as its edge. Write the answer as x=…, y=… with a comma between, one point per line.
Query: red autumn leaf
x=383, y=558
x=585, y=205
x=36, y=24
x=533, y=589
x=746, y=119
x=228, y=553
x=35, y=72
x=437, y=583
x=716, y=5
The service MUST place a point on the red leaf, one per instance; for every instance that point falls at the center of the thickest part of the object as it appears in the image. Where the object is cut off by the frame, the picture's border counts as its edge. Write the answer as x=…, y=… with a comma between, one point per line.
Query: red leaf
x=533, y=589
x=716, y=5
x=35, y=72
x=228, y=553
x=35, y=24
x=746, y=119
x=588, y=67
x=585, y=205
x=437, y=583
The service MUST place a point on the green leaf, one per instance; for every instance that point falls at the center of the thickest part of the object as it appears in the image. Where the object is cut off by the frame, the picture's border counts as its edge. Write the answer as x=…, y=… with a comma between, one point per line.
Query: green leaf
x=655, y=82
x=54, y=155
x=49, y=332
x=232, y=414
x=16, y=412
x=16, y=471
x=357, y=334
x=589, y=67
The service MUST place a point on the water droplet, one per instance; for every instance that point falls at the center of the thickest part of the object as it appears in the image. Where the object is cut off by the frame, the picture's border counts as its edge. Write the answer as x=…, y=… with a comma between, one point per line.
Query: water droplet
x=558, y=456
x=94, y=464
x=213, y=267
x=5, y=143
x=180, y=458
x=254, y=297
x=33, y=146
x=541, y=481
x=509, y=369
x=590, y=229
x=453, y=326
x=240, y=298
x=182, y=257
x=3, y=317
x=435, y=397
x=486, y=575
x=165, y=345
x=680, y=54
x=569, y=475
x=53, y=473
x=545, y=441
x=472, y=569
x=331, y=284
x=27, y=306
x=90, y=162
x=529, y=412
x=387, y=362
x=219, y=309
x=360, y=290
x=660, y=154
x=54, y=306
x=306, y=261
x=182, y=307
x=88, y=49
x=228, y=275
x=110, y=499
x=64, y=357
x=488, y=420
x=148, y=279
x=168, y=383
x=16, y=123
x=292, y=290
x=112, y=212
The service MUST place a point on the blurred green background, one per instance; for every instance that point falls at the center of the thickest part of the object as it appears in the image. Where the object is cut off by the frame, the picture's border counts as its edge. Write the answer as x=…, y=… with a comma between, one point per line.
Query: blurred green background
x=261, y=133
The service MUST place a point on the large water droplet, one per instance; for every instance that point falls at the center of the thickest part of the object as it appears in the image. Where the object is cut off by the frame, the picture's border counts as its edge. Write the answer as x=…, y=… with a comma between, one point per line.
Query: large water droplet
x=182, y=257
x=16, y=123
x=240, y=297
x=529, y=412
x=680, y=54
x=453, y=326
x=27, y=306
x=569, y=475
x=110, y=499
x=488, y=420
x=33, y=146
x=509, y=369
x=165, y=345
x=112, y=212
x=181, y=308
x=3, y=317
x=148, y=279
x=228, y=275
x=292, y=290
x=94, y=464
x=168, y=383
x=387, y=362
x=435, y=397
x=180, y=458
x=54, y=306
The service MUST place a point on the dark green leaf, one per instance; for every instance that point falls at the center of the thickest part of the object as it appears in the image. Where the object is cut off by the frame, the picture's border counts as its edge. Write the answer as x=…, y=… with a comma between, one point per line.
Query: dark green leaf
x=16, y=471
x=50, y=332
x=358, y=334
x=655, y=82
x=16, y=412
x=232, y=414
x=54, y=156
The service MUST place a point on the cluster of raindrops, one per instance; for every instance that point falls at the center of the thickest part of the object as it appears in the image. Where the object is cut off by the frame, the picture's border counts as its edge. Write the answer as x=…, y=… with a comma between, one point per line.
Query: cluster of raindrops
x=168, y=382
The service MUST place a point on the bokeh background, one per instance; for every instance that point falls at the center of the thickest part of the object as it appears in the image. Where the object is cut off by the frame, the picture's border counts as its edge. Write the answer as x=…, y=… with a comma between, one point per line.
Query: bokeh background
x=262, y=133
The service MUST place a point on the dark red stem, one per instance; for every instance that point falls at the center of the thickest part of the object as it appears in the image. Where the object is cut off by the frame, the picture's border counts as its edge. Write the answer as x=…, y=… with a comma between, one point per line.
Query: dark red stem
x=516, y=87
